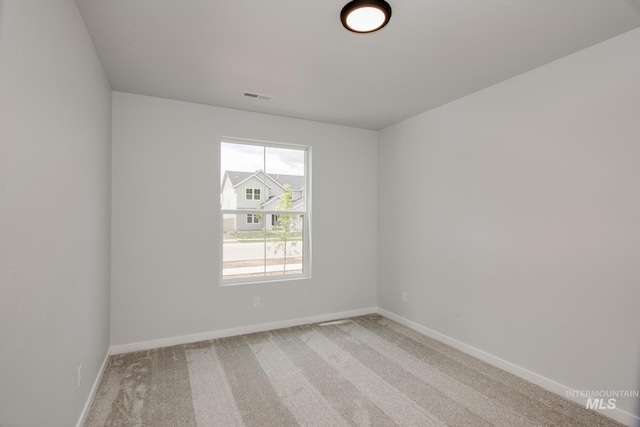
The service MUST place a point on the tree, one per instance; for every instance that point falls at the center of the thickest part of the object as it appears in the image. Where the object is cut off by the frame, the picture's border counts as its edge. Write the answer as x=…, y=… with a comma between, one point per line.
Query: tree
x=287, y=227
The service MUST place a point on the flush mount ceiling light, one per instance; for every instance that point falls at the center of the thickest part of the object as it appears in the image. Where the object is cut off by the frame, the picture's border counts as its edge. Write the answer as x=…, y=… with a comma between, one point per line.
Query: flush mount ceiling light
x=365, y=16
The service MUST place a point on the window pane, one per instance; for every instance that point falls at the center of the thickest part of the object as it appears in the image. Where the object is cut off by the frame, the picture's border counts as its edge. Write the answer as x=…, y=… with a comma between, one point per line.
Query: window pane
x=285, y=245
x=242, y=250
x=286, y=167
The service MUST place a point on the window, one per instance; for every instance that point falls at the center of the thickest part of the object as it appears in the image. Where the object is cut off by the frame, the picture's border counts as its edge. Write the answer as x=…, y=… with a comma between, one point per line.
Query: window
x=252, y=194
x=265, y=216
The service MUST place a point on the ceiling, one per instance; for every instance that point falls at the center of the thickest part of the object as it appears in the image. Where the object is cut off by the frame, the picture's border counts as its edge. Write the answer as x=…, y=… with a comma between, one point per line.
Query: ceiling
x=298, y=53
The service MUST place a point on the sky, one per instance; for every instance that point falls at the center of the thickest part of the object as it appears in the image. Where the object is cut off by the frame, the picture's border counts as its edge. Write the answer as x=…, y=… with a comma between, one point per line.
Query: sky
x=249, y=158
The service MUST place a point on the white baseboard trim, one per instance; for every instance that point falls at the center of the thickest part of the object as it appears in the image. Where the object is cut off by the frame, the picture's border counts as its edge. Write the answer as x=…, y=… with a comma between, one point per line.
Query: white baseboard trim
x=619, y=415
x=94, y=389
x=205, y=336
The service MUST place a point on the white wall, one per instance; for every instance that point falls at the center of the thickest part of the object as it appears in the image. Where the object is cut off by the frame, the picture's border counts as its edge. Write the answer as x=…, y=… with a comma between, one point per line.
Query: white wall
x=511, y=219
x=55, y=131
x=165, y=221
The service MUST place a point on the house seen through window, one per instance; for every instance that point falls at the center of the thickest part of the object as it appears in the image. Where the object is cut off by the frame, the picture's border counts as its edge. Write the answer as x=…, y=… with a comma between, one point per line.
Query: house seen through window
x=264, y=199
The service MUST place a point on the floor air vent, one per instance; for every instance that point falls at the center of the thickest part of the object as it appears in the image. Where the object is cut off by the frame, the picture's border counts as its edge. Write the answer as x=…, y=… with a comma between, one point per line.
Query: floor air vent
x=258, y=96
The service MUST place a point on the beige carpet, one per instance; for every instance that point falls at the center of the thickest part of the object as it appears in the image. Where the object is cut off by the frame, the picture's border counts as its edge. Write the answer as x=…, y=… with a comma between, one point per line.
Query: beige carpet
x=364, y=371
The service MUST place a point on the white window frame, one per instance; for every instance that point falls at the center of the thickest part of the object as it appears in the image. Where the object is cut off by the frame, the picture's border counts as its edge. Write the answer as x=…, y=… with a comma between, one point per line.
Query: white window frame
x=306, y=227
x=252, y=219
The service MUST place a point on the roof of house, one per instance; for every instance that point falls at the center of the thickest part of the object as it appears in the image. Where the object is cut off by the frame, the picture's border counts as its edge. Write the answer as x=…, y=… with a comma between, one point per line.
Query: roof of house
x=296, y=182
x=297, y=203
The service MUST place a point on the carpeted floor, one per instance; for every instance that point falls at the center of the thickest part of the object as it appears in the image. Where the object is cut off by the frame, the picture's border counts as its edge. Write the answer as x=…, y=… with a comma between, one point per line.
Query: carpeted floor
x=364, y=371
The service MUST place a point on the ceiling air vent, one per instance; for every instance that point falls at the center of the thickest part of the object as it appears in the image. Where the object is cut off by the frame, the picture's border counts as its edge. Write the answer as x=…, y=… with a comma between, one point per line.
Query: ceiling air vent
x=258, y=96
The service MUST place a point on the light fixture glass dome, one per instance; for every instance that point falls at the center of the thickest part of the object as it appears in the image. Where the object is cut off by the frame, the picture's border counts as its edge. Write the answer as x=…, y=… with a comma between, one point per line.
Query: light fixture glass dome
x=362, y=16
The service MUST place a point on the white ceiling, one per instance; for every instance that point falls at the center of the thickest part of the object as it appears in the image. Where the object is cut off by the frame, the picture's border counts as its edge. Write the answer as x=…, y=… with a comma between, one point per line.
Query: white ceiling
x=430, y=53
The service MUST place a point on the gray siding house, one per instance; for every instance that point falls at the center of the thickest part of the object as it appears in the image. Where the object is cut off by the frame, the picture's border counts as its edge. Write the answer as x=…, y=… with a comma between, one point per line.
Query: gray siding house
x=256, y=191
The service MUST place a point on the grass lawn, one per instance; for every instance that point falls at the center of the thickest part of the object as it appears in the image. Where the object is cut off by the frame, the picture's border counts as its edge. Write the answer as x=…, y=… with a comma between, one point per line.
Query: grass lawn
x=271, y=235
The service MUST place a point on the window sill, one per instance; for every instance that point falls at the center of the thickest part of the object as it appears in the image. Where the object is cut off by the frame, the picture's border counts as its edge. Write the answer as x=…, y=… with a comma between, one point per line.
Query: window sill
x=250, y=281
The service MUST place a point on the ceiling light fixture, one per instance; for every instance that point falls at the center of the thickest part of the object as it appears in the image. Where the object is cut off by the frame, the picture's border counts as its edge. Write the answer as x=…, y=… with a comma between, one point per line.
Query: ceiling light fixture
x=365, y=16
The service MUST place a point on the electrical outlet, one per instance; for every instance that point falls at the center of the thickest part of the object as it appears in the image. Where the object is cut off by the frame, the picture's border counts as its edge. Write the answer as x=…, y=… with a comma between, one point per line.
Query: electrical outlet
x=79, y=375
x=256, y=301
x=404, y=297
